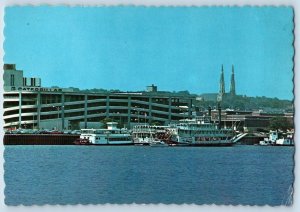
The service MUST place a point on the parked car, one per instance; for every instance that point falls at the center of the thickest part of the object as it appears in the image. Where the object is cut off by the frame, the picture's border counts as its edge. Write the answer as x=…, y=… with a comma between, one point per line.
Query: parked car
x=56, y=132
x=44, y=131
x=76, y=132
x=7, y=132
x=67, y=131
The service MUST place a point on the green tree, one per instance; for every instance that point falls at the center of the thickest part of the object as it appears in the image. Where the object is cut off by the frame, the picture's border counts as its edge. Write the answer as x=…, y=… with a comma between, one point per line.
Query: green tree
x=108, y=119
x=280, y=123
x=105, y=120
x=155, y=123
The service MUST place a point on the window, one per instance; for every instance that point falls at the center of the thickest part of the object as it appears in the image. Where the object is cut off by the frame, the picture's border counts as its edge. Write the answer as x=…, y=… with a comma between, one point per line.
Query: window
x=12, y=80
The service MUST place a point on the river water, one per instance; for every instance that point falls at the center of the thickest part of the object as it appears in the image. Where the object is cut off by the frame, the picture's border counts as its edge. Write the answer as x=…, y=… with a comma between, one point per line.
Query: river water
x=248, y=175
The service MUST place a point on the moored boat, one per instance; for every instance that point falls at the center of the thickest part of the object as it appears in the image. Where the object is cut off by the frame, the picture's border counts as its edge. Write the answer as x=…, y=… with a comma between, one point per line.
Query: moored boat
x=158, y=143
x=146, y=134
x=200, y=132
x=285, y=142
x=110, y=136
x=278, y=139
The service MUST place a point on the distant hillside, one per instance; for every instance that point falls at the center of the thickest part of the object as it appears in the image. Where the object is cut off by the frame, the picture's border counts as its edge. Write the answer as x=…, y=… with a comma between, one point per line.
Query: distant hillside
x=101, y=90
x=238, y=102
x=272, y=105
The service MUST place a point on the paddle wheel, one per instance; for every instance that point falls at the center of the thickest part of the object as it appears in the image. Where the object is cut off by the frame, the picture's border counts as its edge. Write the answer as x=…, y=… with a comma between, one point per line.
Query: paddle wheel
x=165, y=136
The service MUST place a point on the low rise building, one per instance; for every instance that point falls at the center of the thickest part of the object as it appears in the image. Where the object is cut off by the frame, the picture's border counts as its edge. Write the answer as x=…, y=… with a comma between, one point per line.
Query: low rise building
x=250, y=121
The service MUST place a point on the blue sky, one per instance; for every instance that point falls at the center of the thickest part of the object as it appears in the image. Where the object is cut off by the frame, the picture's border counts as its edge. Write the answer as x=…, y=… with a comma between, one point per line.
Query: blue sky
x=176, y=48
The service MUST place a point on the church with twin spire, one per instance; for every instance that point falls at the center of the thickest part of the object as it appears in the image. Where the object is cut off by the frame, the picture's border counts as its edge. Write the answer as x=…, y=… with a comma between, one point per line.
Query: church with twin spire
x=222, y=92
x=218, y=96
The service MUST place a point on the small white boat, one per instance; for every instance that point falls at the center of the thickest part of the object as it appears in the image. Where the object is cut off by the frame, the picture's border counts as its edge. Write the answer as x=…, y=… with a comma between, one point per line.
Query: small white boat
x=265, y=142
x=288, y=141
x=158, y=143
x=277, y=140
x=285, y=142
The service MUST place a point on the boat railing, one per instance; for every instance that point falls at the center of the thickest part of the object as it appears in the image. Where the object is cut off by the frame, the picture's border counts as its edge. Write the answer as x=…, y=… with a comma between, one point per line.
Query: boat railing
x=238, y=137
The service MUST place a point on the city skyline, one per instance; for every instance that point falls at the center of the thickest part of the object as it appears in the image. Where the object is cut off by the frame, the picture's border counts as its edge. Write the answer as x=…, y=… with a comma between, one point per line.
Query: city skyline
x=176, y=49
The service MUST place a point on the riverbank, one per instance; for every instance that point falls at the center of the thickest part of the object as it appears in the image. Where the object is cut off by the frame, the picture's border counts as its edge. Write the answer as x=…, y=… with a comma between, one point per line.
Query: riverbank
x=66, y=139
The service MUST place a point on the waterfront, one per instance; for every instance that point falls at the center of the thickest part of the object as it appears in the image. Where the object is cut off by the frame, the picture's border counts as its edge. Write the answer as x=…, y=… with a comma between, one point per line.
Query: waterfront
x=252, y=175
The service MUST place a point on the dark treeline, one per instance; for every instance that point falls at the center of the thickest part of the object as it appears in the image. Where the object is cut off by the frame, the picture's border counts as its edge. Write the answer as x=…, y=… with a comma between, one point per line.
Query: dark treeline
x=101, y=90
x=251, y=103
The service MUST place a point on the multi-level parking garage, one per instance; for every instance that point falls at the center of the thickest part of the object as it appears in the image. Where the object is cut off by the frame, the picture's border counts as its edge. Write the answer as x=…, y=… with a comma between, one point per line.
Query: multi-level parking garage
x=38, y=107
x=66, y=110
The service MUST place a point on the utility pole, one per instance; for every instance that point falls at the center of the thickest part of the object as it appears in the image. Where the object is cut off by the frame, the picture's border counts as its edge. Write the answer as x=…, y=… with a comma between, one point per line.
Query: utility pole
x=57, y=107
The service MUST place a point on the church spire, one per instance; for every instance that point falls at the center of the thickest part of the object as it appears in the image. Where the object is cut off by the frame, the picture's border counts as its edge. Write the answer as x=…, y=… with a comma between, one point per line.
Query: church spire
x=232, y=83
x=222, y=83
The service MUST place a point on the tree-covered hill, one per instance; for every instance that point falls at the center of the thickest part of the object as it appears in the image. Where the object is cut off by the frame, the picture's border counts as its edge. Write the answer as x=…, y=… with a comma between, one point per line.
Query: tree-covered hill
x=239, y=102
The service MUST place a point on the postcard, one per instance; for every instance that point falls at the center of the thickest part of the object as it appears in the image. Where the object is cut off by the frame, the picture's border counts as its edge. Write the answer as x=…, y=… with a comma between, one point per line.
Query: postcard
x=148, y=105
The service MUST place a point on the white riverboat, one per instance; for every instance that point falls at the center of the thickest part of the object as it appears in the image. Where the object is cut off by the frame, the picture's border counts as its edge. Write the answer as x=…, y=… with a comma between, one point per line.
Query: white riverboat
x=110, y=136
x=196, y=132
x=147, y=134
x=188, y=132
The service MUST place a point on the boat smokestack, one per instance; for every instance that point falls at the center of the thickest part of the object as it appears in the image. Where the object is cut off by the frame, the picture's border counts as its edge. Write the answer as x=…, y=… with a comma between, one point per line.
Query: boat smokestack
x=219, y=114
x=209, y=114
